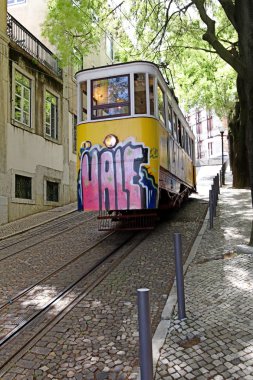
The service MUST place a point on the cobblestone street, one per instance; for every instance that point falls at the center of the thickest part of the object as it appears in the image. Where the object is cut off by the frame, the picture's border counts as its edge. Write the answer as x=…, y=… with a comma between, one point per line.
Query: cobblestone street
x=99, y=337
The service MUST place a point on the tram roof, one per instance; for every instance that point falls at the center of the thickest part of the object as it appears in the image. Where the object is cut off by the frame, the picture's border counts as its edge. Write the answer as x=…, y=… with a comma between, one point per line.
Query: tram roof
x=119, y=68
x=128, y=68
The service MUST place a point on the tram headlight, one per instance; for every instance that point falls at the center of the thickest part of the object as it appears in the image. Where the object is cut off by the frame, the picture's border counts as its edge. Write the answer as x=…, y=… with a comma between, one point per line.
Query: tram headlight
x=111, y=141
x=86, y=144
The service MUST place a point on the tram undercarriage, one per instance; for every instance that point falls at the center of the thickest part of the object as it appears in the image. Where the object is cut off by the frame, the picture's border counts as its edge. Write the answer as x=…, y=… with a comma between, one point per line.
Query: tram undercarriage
x=142, y=219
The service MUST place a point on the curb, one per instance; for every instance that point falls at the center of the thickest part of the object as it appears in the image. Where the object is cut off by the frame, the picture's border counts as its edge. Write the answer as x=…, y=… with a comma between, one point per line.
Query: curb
x=162, y=329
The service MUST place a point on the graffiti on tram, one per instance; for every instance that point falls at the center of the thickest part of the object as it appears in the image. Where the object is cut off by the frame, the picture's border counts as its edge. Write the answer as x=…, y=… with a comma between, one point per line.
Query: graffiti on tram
x=116, y=179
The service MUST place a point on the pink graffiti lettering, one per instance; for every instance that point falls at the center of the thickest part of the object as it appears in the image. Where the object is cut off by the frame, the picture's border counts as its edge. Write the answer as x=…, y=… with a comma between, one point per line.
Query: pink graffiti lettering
x=111, y=178
x=89, y=187
x=131, y=157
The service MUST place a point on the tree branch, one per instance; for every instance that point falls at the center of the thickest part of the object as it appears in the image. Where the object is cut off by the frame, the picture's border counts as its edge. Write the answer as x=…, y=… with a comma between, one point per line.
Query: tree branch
x=189, y=47
x=229, y=9
x=211, y=38
x=169, y=17
x=112, y=11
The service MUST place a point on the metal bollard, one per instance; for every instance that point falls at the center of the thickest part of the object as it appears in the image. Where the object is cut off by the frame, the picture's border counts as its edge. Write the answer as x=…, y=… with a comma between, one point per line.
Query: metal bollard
x=216, y=188
x=145, y=337
x=218, y=183
x=179, y=276
x=210, y=209
x=214, y=202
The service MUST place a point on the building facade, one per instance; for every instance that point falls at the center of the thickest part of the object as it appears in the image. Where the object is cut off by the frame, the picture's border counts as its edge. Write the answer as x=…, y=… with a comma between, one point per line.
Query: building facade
x=206, y=127
x=38, y=116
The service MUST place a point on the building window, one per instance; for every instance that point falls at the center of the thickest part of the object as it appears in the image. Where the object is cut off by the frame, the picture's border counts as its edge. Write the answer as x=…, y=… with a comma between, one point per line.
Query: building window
x=23, y=187
x=198, y=116
x=210, y=149
x=51, y=115
x=199, y=150
x=209, y=125
x=15, y=2
x=109, y=47
x=77, y=61
x=22, y=106
x=74, y=123
x=52, y=194
x=198, y=129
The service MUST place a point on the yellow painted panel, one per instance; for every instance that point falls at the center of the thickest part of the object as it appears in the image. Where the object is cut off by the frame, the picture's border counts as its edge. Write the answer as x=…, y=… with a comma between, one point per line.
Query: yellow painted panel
x=141, y=130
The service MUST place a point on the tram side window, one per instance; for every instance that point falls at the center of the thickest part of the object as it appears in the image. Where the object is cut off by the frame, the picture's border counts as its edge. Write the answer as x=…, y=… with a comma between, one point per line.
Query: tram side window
x=174, y=125
x=186, y=143
x=183, y=136
x=84, y=100
x=110, y=97
x=151, y=95
x=179, y=132
x=169, y=118
x=160, y=97
x=191, y=148
x=140, y=93
x=187, y=147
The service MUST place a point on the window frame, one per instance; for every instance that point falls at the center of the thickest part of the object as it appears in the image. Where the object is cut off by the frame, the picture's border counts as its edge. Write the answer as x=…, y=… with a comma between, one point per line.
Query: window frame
x=56, y=137
x=135, y=93
x=15, y=2
x=17, y=123
x=110, y=105
x=161, y=111
x=14, y=199
x=53, y=180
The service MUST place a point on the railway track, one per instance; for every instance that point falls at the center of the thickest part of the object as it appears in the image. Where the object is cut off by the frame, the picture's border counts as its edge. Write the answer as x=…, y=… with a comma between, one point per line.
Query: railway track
x=36, y=309
x=38, y=235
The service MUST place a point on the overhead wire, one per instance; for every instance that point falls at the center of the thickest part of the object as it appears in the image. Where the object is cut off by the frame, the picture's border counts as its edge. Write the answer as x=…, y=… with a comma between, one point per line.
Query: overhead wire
x=106, y=33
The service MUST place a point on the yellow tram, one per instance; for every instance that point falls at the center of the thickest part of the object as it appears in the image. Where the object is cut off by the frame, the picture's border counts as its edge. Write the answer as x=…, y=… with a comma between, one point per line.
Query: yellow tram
x=135, y=148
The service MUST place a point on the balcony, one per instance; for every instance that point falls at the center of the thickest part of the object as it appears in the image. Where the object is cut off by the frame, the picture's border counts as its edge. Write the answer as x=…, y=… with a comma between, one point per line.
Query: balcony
x=28, y=42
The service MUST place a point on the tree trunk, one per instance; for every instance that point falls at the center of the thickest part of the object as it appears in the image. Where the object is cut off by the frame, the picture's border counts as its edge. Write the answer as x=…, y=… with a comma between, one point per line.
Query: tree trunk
x=237, y=149
x=244, y=20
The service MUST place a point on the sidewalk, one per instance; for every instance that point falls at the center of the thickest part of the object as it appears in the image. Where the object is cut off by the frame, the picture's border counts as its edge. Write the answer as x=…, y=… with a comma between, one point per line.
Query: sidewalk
x=35, y=220
x=215, y=341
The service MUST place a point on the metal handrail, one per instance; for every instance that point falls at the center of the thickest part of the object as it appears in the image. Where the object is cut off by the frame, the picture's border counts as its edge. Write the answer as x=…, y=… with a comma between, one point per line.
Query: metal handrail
x=28, y=42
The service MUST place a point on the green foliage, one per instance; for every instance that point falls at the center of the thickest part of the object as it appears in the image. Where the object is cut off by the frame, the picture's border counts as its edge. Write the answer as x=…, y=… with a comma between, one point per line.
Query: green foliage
x=170, y=34
x=74, y=27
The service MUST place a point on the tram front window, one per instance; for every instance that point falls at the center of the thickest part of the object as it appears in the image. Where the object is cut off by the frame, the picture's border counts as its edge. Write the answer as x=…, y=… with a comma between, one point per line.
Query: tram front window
x=110, y=97
x=140, y=93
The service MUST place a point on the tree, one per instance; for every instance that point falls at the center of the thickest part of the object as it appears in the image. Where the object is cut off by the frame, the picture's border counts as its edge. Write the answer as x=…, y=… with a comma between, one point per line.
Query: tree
x=75, y=27
x=226, y=29
x=221, y=27
x=240, y=15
